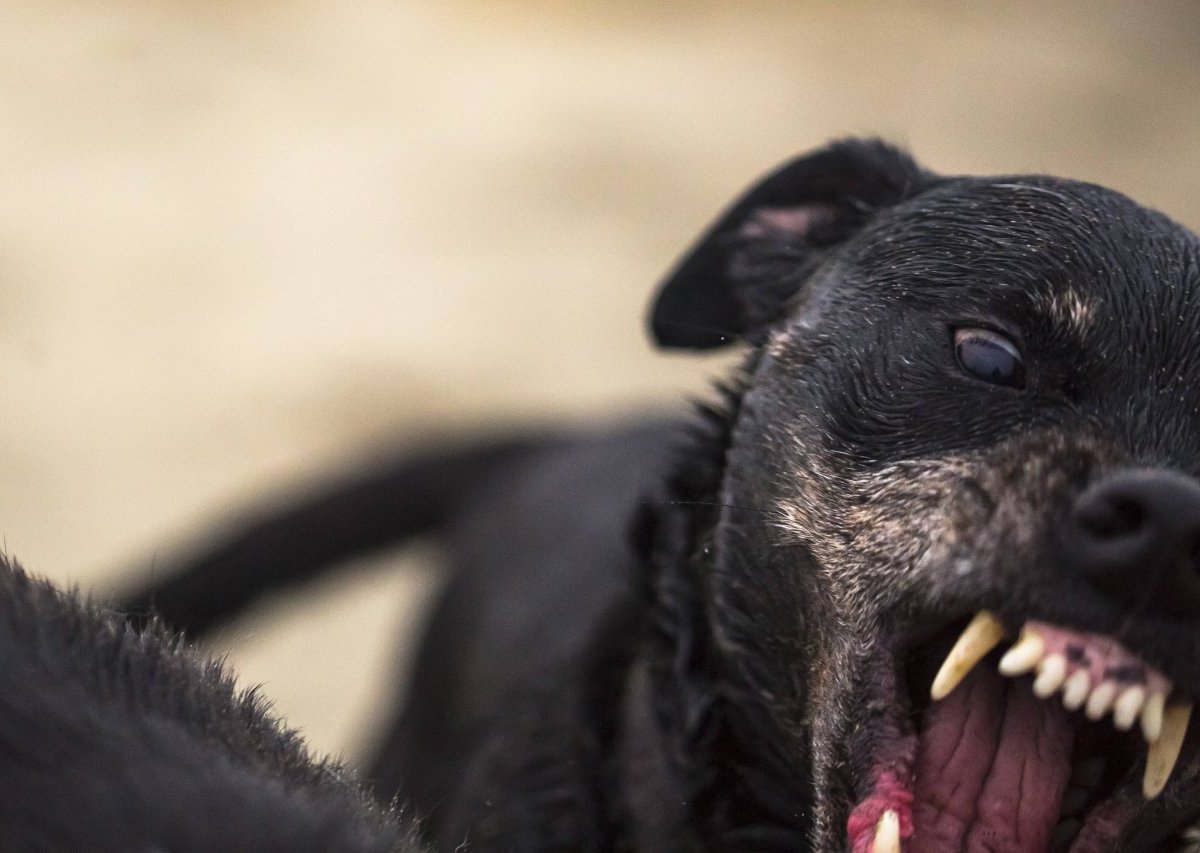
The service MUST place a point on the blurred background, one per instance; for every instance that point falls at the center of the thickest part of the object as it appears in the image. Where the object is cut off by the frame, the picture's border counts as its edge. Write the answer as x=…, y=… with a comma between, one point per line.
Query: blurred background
x=246, y=245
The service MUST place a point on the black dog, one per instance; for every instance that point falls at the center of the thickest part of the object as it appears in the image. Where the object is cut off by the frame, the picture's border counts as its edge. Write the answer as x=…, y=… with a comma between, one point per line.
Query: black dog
x=112, y=740
x=966, y=425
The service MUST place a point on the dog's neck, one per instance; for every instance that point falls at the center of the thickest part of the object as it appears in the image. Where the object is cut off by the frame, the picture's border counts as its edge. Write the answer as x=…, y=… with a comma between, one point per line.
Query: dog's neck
x=645, y=765
x=679, y=734
x=684, y=732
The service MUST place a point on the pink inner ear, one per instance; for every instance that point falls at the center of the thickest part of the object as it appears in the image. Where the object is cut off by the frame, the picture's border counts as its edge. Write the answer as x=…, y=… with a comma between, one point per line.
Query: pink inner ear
x=787, y=220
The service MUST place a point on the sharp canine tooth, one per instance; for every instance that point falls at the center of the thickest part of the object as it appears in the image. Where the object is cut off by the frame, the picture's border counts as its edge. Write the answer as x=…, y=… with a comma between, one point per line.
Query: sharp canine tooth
x=1024, y=655
x=983, y=634
x=1161, y=757
x=1128, y=706
x=1051, y=672
x=1076, y=690
x=1101, y=700
x=1152, y=716
x=887, y=834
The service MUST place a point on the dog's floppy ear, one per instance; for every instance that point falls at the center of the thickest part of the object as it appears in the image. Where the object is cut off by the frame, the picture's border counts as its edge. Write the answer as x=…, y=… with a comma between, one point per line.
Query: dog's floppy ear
x=812, y=202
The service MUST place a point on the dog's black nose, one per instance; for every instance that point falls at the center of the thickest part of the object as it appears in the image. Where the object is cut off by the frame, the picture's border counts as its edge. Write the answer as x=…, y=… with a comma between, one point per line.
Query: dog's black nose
x=1135, y=536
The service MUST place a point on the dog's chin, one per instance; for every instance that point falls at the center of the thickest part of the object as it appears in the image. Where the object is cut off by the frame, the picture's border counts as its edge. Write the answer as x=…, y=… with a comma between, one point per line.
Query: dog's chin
x=989, y=738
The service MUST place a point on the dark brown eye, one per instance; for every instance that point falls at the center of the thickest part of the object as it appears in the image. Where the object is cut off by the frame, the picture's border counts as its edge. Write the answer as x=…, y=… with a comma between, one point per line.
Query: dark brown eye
x=989, y=356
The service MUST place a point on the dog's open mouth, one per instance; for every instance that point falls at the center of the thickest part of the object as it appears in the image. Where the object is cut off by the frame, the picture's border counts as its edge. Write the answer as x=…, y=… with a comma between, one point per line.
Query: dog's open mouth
x=1048, y=743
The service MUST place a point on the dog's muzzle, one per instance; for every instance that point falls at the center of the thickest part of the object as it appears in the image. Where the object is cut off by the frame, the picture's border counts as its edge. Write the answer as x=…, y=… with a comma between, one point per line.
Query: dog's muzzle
x=1035, y=750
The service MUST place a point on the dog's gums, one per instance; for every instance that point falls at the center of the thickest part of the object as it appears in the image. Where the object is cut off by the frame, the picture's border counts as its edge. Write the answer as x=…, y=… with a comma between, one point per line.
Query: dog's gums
x=1068, y=660
x=991, y=760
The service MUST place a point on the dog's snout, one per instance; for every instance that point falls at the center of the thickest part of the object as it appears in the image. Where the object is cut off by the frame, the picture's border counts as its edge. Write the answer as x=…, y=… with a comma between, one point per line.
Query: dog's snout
x=1135, y=537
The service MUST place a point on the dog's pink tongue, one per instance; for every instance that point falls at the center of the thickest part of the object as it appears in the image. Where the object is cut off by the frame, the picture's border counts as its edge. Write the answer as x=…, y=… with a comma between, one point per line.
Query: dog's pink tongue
x=992, y=765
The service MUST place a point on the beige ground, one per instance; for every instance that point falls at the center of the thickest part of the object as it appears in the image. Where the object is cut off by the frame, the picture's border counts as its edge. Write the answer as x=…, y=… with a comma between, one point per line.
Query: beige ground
x=241, y=242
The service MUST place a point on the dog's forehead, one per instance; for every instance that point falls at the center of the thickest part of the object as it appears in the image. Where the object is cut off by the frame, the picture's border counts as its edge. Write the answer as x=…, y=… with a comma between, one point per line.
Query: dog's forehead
x=1101, y=296
x=1075, y=256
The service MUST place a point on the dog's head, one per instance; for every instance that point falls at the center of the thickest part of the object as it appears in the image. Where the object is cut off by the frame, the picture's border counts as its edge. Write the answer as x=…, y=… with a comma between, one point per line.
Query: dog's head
x=968, y=432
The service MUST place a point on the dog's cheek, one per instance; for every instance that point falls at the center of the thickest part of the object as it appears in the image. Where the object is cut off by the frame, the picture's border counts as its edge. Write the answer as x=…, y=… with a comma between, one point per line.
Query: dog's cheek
x=907, y=517
x=800, y=503
x=763, y=584
x=918, y=535
x=995, y=535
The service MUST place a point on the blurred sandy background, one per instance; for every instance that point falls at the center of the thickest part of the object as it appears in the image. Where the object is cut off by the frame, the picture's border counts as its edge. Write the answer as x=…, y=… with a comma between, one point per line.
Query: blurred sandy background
x=241, y=244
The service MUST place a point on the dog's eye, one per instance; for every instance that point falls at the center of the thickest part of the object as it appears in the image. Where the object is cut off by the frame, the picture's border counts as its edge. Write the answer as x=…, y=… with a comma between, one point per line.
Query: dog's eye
x=990, y=357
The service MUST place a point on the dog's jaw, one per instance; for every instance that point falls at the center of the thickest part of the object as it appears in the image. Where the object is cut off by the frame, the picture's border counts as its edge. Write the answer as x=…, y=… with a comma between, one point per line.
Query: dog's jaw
x=990, y=766
x=885, y=765
x=995, y=758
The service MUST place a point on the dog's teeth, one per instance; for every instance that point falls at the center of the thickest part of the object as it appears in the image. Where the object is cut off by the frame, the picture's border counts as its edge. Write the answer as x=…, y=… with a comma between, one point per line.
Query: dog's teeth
x=1051, y=673
x=1128, y=706
x=1076, y=690
x=983, y=634
x=1101, y=700
x=1161, y=757
x=887, y=834
x=1024, y=655
x=1152, y=716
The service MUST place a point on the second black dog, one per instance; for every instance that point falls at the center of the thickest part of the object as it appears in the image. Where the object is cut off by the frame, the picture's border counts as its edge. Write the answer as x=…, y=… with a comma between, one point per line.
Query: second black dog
x=116, y=741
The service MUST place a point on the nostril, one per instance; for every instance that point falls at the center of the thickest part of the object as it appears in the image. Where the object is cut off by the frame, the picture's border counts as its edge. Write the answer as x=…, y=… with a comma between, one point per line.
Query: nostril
x=1113, y=517
x=1135, y=537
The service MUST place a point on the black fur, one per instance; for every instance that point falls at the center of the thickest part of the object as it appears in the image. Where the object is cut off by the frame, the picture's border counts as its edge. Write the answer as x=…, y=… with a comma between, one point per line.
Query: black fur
x=131, y=742
x=744, y=670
